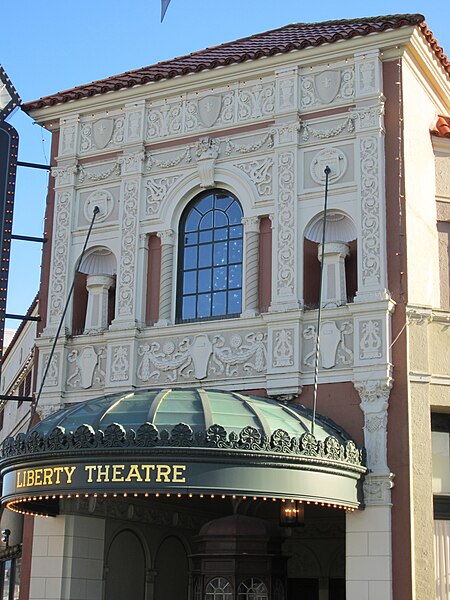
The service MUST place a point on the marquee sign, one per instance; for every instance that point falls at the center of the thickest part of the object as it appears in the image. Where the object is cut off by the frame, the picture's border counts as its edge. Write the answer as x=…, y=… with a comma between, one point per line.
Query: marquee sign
x=31, y=484
x=9, y=141
x=9, y=98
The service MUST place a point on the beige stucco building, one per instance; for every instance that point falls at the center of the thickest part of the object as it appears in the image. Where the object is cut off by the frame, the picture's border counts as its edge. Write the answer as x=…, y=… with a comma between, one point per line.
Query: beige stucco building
x=202, y=273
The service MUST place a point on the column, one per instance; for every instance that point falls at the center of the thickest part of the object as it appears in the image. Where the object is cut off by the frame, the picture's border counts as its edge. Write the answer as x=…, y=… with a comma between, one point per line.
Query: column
x=334, y=291
x=368, y=531
x=67, y=558
x=166, y=286
x=98, y=287
x=251, y=267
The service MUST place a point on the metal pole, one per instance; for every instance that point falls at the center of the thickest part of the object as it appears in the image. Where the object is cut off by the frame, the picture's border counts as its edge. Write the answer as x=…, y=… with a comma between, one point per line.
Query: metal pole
x=58, y=331
x=327, y=172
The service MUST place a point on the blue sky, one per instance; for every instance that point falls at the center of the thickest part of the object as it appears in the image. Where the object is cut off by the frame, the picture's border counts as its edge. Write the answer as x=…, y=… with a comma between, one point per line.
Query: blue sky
x=55, y=45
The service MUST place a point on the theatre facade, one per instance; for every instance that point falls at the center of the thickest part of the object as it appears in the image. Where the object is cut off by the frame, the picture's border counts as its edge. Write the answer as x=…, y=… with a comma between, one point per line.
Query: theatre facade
x=175, y=452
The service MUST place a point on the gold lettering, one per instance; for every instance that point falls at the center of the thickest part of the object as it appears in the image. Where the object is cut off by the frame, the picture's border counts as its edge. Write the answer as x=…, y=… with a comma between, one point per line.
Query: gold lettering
x=117, y=473
x=30, y=478
x=133, y=472
x=37, y=477
x=19, y=483
x=178, y=476
x=48, y=476
x=147, y=469
x=69, y=472
x=90, y=469
x=163, y=473
x=58, y=471
x=102, y=472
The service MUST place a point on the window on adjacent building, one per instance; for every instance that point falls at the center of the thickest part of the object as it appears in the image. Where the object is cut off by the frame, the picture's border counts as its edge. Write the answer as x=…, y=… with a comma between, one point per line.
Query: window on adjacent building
x=443, y=228
x=210, y=258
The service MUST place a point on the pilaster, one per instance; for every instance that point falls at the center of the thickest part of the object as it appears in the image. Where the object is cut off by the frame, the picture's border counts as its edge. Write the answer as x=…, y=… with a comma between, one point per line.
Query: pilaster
x=285, y=241
x=132, y=162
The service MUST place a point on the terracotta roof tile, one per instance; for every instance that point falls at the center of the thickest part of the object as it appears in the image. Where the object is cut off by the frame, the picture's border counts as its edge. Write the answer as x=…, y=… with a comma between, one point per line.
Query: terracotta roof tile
x=442, y=127
x=277, y=41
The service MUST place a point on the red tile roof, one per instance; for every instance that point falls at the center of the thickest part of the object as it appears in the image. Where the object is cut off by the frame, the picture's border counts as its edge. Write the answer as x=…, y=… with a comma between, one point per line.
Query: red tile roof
x=442, y=127
x=277, y=41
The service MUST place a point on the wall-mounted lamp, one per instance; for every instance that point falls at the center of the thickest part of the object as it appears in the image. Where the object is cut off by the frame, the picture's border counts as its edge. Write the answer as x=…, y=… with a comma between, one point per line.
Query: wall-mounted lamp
x=5, y=537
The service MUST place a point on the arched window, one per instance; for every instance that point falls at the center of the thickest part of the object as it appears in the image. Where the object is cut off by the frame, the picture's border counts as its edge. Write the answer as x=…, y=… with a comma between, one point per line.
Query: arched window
x=210, y=258
x=252, y=589
x=219, y=588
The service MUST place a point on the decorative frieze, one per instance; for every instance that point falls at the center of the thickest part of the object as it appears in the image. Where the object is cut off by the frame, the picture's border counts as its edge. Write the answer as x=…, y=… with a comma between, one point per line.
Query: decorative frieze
x=94, y=174
x=131, y=162
x=329, y=86
x=200, y=356
x=370, y=339
x=248, y=101
x=264, y=141
x=120, y=363
x=336, y=344
x=52, y=378
x=345, y=124
x=283, y=347
x=64, y=175
x=86, y=367
x=103, y=133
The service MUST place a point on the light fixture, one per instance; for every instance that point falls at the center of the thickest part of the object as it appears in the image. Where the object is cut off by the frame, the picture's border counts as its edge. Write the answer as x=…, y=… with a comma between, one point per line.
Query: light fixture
x=292, y=513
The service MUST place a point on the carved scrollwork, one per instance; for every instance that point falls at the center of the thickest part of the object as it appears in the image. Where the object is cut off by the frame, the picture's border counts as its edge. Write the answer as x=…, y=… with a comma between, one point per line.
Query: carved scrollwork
x=146, y=435
x=84, y=437
x=114, y=436
x=260, y=173
x=181, y=435
x=57, y=439
x=216, y=436
x=167, y=358
x=251, y=354
x=280, y=441
x=250, y=439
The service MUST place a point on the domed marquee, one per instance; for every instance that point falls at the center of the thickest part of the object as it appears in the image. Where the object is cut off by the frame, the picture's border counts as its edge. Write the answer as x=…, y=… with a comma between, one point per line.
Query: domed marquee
x=182, y=441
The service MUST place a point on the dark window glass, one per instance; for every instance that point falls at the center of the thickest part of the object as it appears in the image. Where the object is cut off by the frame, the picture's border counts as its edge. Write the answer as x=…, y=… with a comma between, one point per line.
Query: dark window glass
x=210, y=258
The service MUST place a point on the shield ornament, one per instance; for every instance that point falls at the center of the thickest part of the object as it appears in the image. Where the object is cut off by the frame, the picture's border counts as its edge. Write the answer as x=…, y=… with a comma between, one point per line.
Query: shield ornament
x=209, y=109
x=327, y=85
x=102, y=132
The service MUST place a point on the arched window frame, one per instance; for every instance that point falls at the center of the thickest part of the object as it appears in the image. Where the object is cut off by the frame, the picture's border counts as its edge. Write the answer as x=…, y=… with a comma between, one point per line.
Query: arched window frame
x=210, y=290
x=252, y=589
x=219, y=588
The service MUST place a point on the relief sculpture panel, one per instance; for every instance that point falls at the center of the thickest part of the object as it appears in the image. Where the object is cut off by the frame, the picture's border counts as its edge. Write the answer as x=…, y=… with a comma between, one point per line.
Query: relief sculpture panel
x=191, y=358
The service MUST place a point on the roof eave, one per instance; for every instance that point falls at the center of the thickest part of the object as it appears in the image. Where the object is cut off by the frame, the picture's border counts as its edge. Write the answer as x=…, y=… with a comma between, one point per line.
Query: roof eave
x=387, y=41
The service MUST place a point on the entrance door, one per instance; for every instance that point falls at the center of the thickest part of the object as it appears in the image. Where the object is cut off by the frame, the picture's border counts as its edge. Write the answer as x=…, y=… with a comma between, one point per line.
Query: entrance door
x=125, y=568
x=171, y=565
x=303, y=589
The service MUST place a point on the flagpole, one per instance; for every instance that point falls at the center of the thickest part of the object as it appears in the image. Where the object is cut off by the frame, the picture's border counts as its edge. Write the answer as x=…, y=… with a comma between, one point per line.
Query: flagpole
x=327, y=172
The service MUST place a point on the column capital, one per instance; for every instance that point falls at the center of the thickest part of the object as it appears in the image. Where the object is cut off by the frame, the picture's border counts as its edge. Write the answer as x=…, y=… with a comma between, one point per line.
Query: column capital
x=251, y=224
x=374, y=394
x=167, y=237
